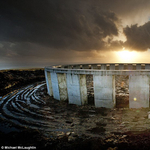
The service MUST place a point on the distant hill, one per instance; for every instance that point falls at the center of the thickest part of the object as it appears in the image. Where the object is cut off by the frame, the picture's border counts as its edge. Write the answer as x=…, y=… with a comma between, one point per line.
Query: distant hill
x=16, y=78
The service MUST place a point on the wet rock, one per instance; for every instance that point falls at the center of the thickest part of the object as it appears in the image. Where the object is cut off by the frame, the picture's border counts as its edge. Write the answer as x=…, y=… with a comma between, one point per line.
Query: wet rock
x=68, y=121
x=68, y=133
x=72, y=124
x=91, y=115
x=60, y=134
x=92, y=111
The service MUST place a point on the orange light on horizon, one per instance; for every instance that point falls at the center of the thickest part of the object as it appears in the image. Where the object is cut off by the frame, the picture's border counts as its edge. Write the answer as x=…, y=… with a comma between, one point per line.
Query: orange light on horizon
x=127, y=56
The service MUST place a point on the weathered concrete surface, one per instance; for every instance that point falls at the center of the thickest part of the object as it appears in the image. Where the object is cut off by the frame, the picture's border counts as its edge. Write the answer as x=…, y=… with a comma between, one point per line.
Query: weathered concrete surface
x=130, y=67
x=73, y=86
x=83, y=89
x=55, y=87
x=103, y=67
x=121, y=66
x=62, y=86
x=85, y=66
x=94, y=66
x=103, y=91
x=112, y=66
x=147, y=66
x=48, y=83
x=138, y=66
x=138, y=91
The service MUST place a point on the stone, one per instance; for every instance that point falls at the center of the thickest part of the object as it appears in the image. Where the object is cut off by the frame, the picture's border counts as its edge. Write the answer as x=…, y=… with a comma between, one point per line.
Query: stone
x=68, y=133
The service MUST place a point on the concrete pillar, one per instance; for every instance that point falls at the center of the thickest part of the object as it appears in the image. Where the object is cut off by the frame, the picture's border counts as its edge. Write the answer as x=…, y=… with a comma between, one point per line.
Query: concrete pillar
x=129, y=67
x=70, y=67
x=48, y=83
x=121, y=66
x=76, y=67
x=112, y=66
x=55, y=87
x=138, y=91
x=147, y=66
x=103, y=66
x=85, y=66
x=94, y=66
x=73, y=86
x=138, y=66
x=104, y=91
x=77, y=91
x=62, y=86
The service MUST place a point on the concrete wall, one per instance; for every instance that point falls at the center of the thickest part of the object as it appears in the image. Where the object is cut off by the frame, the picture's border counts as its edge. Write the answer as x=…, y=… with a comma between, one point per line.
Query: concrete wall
x=104, y=91
x=48, y=83
x=55, y=87
x=67, y=83
x=73, y=86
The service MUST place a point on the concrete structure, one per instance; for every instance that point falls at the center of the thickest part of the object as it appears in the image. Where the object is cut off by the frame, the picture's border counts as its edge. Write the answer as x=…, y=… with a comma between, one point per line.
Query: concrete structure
x=69, y=83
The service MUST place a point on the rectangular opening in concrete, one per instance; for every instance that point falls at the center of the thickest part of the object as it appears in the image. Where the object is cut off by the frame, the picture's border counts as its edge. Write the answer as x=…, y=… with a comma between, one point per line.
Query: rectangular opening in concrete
x=90, y=89
x=122, y=91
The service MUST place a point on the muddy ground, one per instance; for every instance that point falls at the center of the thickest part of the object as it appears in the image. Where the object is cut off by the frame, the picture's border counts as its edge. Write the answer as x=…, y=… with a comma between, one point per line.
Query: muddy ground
x=83, y=127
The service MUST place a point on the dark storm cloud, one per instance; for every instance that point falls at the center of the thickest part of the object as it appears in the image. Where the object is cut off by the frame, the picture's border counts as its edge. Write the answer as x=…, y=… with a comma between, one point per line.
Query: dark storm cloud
x=138, y=37
x=58, y=29
x=68, y=24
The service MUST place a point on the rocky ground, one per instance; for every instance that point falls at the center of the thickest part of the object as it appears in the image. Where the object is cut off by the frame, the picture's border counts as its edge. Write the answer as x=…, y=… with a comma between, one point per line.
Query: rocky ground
x=81, y=127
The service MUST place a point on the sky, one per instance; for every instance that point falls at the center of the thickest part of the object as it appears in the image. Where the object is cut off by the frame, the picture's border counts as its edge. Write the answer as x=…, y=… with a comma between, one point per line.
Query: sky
x=39, y=33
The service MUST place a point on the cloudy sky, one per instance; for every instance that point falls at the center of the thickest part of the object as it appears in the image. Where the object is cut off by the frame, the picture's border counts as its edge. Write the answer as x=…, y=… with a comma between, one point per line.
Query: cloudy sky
x=38, y=33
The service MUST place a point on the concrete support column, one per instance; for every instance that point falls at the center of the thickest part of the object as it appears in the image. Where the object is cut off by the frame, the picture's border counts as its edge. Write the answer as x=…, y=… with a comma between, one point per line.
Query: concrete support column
x=138, y=91
x=94, y=66
x=103, y=66
x=62, y=84
x=138, y=66
x=85, y=66
x=112, y=66
x=77, y=91
x=104, y=91
x=121, y=66
x=147, y=66
x=76, y=67
x=130, y=67
x=48, y=83
x=55, y=87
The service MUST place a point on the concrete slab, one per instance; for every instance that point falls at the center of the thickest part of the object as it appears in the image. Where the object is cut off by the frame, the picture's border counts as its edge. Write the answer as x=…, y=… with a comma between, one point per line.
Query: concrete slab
x=73, y=87
x=55, y=86
x=48, y=83
x=104, y=91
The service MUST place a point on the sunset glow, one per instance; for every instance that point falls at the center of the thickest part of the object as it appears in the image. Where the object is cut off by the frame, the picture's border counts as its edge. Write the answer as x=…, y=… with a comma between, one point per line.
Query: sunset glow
x=127, y=56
